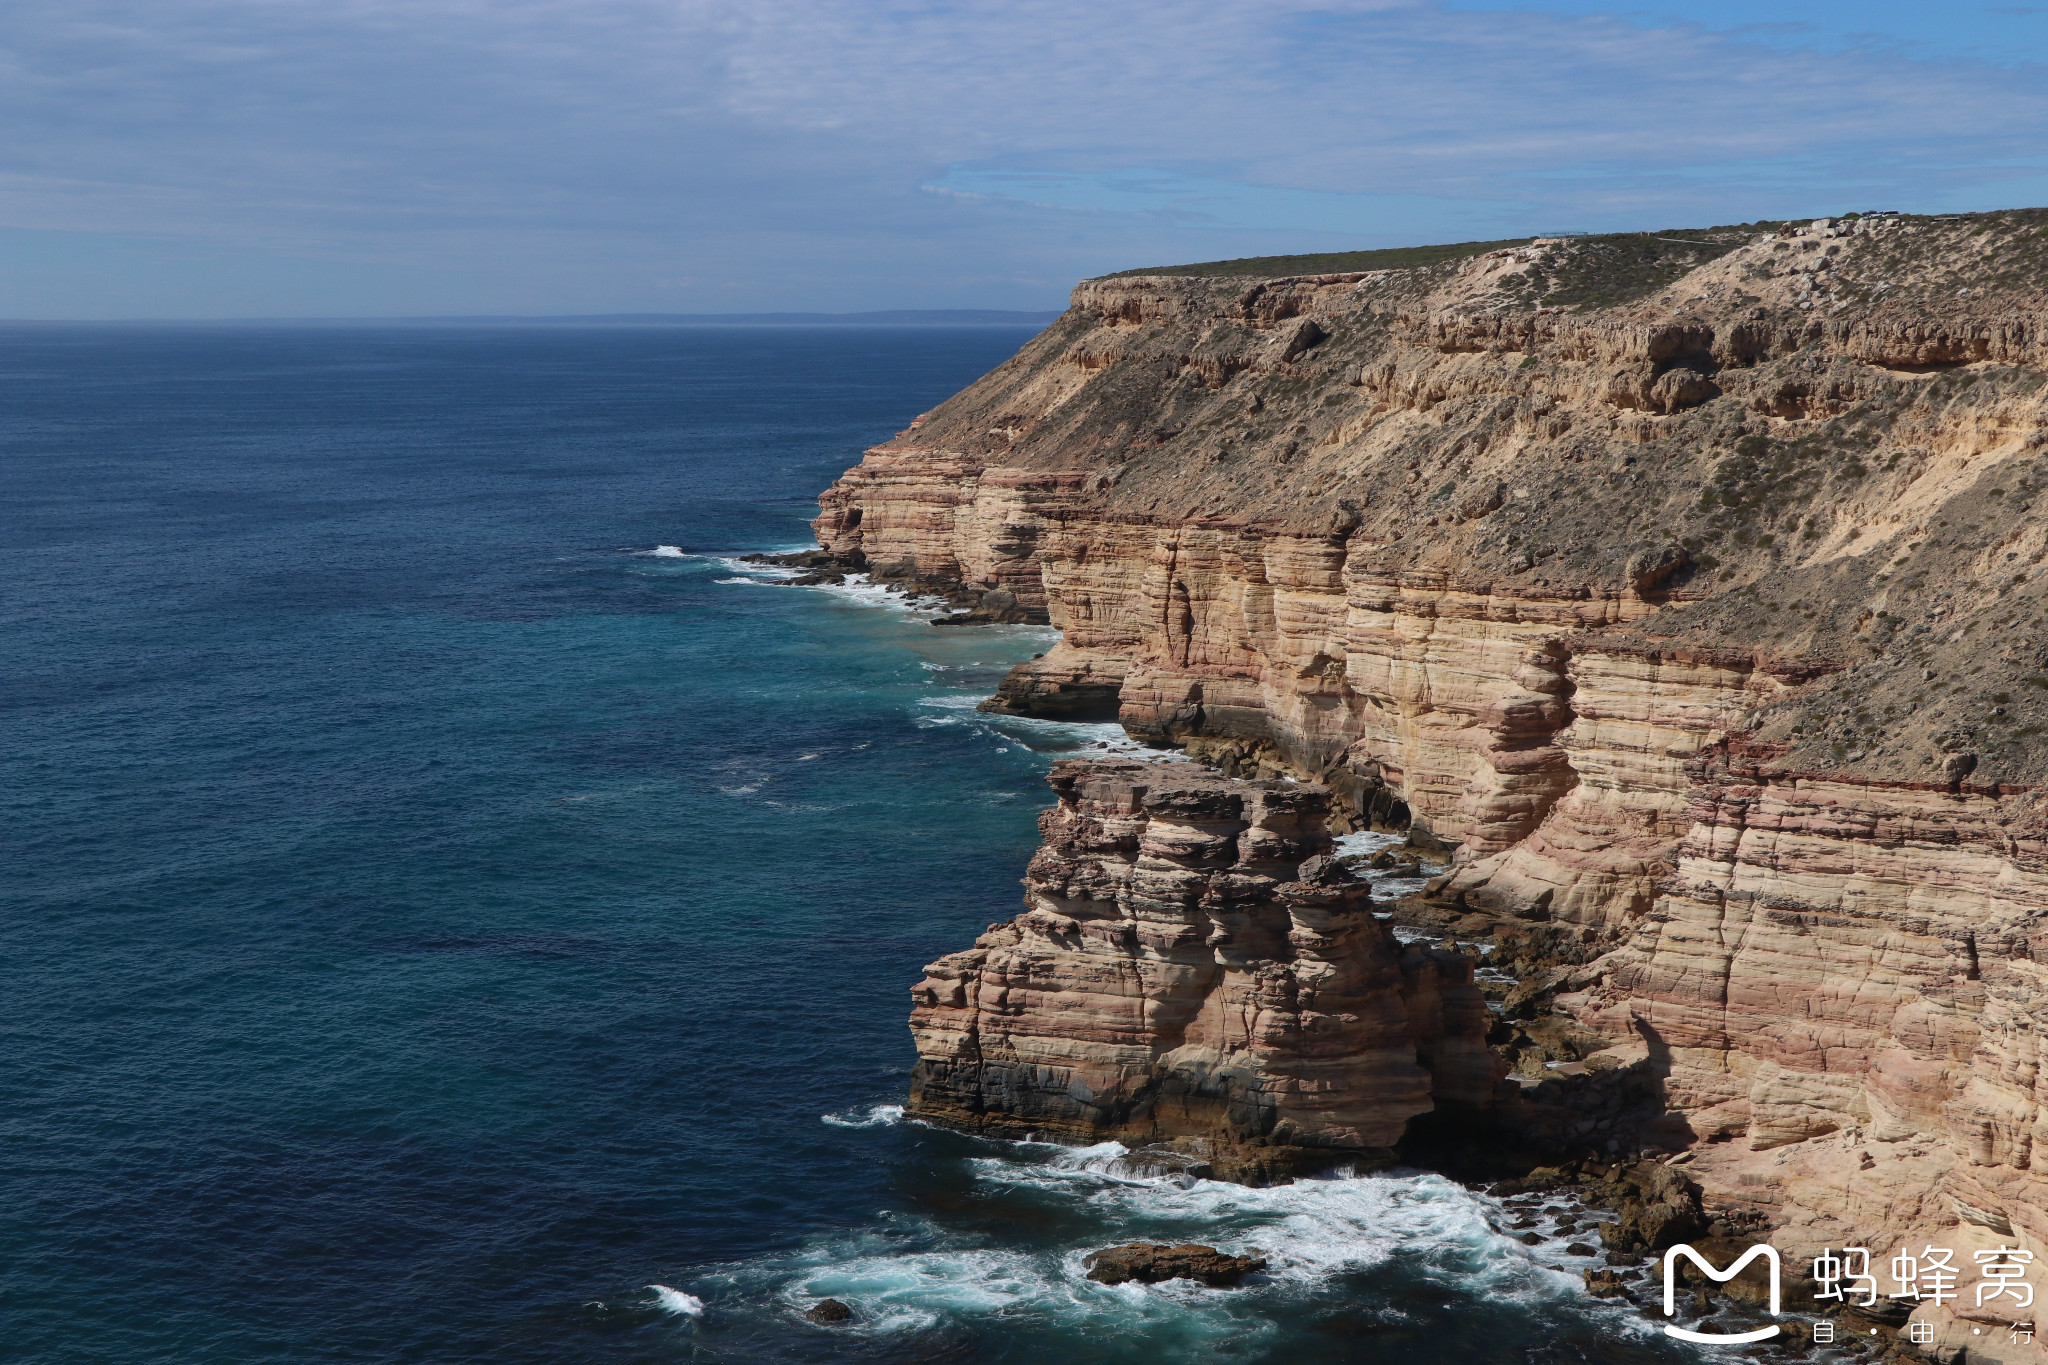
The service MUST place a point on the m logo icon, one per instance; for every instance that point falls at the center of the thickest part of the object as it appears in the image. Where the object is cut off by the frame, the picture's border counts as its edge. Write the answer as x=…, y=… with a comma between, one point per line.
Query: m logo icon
x=1706, y=1268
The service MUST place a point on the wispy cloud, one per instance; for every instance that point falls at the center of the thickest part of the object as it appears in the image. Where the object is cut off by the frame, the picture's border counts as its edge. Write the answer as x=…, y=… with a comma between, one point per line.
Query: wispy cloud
x=598, y=154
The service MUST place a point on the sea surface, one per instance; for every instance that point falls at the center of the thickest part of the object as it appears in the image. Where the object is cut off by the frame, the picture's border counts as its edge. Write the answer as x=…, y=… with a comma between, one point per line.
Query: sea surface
x=455, y=911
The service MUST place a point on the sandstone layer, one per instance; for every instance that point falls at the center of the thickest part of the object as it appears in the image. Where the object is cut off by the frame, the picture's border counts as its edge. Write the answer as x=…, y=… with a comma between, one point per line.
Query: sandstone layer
x=1194, y=966
x=1687, y=587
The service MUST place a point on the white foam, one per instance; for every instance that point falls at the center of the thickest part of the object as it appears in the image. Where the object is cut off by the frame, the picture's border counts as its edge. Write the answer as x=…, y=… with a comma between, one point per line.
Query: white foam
x=872, y=1116
x=906, y=1274
x=953, y=701
x=1092, y=739
x=1105, y=739
x=747, y=570
x=1307, y=1231
x=750, y=572
x=676, y=1301
x=862, y=591
x=911, y=1292
x=1364, y=842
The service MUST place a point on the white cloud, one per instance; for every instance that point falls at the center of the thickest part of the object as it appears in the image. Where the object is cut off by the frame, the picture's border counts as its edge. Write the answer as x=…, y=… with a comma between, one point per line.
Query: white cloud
x=548, y=153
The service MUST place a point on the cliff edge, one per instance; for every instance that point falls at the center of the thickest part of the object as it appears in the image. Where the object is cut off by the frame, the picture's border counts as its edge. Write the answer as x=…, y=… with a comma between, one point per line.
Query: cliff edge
x=1686, y=587
x=1195, y=968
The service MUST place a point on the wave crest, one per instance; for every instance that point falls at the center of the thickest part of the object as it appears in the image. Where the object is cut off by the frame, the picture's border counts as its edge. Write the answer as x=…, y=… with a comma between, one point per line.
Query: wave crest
x=870, y=1116
x=676, y=1301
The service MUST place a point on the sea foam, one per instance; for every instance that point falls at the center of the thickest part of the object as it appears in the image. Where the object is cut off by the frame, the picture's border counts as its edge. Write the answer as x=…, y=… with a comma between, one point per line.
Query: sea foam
x=676, y=1301
x=872, y=1116
x=909, y=1274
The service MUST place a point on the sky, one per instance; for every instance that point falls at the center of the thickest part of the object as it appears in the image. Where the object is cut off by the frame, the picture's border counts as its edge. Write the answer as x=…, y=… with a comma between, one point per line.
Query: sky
x=348, y=158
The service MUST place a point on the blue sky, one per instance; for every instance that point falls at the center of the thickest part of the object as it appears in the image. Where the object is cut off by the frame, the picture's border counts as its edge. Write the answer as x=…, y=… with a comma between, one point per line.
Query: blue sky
x=209, y=158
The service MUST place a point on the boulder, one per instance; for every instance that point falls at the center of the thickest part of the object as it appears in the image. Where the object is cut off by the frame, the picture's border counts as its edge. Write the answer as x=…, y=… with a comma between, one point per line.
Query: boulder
x=1649, y=570
x=829, y=1311
x=1153, y=1263
x=1604, y=1284
x=1659, y=1207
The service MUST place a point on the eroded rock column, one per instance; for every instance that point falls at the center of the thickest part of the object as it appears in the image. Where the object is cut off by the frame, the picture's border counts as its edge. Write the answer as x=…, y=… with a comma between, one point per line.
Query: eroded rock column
x=1193, y=965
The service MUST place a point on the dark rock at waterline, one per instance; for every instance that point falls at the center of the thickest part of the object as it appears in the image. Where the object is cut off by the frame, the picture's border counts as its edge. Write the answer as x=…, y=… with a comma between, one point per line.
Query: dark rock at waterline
x=1604, y=1284
x=1580, y=1249
x=800, y=559
x=1161, y=1163
x=1659, y=1207
x=1543, y=1178
x=1151, y=1263
x=828, y=1311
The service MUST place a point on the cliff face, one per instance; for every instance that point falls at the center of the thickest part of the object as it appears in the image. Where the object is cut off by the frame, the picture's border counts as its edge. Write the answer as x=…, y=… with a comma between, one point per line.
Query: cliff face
x=1193, y=965
x=1688, y=588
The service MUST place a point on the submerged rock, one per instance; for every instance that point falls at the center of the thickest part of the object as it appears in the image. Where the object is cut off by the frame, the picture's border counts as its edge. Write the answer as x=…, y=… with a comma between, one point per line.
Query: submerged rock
x=1153, y=1263
x=1159, y=1163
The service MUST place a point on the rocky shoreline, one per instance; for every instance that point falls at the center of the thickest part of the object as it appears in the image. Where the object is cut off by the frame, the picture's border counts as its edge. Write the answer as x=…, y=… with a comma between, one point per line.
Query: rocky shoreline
x=1583, y=1156
x=1686, y=604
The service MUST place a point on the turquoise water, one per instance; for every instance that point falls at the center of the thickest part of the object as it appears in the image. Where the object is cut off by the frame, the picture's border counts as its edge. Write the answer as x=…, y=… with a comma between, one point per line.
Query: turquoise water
x=437, y=912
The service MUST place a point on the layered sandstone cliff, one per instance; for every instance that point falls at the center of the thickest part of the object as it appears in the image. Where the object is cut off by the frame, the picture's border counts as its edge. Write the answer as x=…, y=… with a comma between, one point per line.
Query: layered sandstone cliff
x=1688, y=587
x=1194, y=966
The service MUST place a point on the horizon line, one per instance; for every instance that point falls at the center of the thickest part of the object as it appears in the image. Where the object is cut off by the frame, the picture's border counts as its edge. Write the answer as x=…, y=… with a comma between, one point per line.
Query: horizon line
x=900, y=317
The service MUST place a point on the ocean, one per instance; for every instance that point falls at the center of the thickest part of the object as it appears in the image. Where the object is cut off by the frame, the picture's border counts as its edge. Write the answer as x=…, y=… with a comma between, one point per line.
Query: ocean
x=458, y=911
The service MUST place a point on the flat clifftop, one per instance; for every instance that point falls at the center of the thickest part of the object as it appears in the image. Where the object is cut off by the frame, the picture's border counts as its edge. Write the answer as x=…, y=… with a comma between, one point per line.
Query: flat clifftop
x=1323, y=263
x=1683, y=589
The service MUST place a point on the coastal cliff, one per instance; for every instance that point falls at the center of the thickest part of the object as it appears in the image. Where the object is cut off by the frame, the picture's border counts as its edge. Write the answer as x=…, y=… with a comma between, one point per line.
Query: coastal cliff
x=1195, y=964
x=1685, y=589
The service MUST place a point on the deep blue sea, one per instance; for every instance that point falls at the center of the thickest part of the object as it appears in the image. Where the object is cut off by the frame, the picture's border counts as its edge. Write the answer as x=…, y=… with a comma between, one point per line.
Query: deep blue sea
x=446, y=897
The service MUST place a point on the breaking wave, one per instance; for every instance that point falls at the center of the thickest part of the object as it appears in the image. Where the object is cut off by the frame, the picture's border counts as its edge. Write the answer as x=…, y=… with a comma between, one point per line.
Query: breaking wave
x=870, y=1116
x=676, y=1301
x=1442, y=1242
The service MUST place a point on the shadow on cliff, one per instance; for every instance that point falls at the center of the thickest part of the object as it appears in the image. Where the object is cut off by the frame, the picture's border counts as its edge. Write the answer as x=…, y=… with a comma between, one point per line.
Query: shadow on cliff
x=1574, y=1113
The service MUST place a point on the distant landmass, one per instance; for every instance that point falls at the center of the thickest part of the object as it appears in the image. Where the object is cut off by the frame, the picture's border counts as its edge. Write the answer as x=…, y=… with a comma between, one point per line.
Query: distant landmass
x=888, y=317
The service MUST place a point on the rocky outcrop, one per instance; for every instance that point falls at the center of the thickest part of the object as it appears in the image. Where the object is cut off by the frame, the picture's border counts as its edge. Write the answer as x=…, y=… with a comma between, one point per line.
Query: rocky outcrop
x=1688, y=589
x=1193, y=966
x=1152, y=1263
